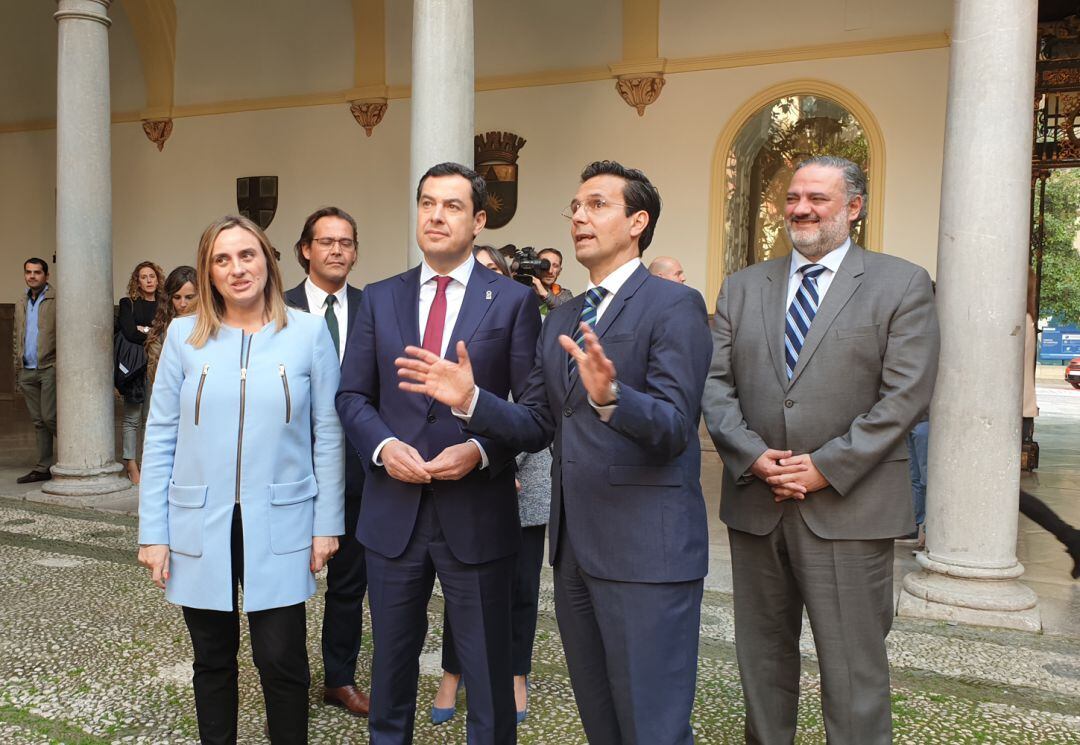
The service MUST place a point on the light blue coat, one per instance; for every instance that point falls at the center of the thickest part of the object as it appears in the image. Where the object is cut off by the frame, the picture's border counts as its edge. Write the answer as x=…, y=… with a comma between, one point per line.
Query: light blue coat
x=288, y=467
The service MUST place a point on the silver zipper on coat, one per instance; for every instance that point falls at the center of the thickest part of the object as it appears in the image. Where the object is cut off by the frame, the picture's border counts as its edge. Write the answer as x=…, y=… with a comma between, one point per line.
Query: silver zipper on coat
x=198, y=393
x=244, y=360
x=288, y=398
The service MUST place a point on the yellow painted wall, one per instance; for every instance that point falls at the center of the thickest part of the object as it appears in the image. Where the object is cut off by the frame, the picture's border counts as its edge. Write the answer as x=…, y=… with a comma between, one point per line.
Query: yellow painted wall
x=163, y=200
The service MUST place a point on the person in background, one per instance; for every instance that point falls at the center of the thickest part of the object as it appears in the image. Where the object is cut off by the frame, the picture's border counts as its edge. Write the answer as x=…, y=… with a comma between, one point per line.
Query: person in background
x=180, y=292
x=326, y=251
x=668, y=267
x=35, y=361
x=137, y=311
x=1031, y=506
x=243, y=479
x=550, y=292
x=534, y=504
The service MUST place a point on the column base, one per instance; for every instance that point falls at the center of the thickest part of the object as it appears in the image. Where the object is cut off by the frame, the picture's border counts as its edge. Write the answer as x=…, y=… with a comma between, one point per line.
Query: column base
x=68, y=481
x=1003, y=603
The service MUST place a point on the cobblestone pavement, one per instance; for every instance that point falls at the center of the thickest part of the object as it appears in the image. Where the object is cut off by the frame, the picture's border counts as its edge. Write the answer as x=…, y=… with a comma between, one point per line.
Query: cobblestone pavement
x=91, y=653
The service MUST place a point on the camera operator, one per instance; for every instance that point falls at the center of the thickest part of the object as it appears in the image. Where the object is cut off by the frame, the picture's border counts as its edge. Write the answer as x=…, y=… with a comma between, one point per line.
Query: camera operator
x=551, y=294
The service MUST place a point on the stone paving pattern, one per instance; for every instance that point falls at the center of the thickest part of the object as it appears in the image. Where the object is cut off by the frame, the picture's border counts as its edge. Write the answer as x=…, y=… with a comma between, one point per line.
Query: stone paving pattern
x=91, y=653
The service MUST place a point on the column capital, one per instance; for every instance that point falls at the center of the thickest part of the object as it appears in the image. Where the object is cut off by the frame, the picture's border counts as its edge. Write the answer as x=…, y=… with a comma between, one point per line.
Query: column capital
x=86, y=10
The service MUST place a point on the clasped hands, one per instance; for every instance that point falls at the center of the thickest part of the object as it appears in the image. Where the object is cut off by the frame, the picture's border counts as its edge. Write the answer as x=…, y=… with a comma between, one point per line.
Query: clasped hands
x=453, y=384
x=404, y=463
x=789, y=476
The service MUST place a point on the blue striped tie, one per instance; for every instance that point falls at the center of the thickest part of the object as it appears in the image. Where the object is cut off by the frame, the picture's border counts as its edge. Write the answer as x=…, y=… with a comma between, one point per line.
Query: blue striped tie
x=593, y=298
x=800, y=315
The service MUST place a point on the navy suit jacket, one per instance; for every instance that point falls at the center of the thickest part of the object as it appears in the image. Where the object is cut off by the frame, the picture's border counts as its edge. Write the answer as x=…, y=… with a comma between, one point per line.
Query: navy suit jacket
x=629, y=490
x=499, y=323
x=354, y=470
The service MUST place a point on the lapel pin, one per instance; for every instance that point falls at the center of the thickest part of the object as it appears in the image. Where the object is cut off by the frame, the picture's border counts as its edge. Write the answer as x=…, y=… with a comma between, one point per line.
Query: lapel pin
x=487, y=295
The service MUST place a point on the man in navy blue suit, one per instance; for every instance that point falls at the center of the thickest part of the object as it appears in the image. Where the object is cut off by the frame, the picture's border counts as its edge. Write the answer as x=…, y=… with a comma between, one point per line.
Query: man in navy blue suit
x=617, y=384
x=438, y=501
x=327, y=253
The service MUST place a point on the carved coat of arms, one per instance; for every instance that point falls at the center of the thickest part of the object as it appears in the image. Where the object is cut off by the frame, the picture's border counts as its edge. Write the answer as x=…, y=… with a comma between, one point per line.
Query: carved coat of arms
x=496, y=161
x=256, y=198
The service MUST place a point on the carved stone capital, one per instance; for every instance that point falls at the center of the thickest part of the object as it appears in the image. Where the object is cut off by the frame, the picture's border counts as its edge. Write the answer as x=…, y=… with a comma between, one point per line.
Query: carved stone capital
x=157, y=131
x=368, y=113
x=640, y=90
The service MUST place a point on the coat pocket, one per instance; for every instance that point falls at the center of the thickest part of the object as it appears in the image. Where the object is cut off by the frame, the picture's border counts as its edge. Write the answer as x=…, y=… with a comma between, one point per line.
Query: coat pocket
x=186, y=518
x=292, y=515
x=855, y=331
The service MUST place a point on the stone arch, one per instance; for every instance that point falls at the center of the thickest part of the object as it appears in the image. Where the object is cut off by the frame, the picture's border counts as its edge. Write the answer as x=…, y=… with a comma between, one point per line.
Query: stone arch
x=718, y=197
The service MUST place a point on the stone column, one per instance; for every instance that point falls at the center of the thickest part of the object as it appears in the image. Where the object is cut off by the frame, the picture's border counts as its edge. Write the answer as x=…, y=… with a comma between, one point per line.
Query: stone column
x=84, y=309
x=969, y=570
x=442, y=93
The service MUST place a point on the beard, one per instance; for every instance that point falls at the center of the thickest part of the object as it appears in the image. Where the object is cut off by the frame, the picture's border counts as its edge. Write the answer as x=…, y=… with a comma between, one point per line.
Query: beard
x=830, y=234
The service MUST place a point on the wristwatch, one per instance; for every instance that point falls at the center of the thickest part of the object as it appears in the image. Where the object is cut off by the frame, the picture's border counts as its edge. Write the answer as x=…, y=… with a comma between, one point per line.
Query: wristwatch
x=614, y=392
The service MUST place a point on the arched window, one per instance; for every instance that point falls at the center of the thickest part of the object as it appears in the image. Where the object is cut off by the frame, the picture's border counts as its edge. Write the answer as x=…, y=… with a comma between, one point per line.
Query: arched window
x=757, y=154
x=760, y=163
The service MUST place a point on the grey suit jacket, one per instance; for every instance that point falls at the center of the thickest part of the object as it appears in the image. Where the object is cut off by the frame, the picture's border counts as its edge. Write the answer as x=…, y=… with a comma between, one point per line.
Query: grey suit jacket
x=865, y=375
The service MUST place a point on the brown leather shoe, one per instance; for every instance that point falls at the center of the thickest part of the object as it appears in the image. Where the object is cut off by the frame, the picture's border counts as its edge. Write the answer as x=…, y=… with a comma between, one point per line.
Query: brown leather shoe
x=350, y=698
x=34, y=476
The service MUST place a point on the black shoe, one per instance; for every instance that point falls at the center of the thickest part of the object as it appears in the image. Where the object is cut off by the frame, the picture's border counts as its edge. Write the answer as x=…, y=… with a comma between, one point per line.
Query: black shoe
x=1073, y=549
x=34, y=476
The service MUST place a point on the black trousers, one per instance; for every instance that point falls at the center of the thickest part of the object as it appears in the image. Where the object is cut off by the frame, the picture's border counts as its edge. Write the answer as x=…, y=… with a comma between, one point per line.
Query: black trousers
x=1040, y=513
x=477, y=600
x=525, y=601
x=343, y=618
x=279, y=648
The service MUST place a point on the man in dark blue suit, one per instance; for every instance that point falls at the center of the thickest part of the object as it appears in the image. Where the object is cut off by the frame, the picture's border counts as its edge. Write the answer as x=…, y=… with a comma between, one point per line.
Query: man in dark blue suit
x=438, y=501
x=327, y=252
x=617, y=384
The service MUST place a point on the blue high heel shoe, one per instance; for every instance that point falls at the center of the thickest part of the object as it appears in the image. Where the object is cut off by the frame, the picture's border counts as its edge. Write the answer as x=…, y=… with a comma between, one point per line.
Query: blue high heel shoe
x=525, y=712
x=442, y=716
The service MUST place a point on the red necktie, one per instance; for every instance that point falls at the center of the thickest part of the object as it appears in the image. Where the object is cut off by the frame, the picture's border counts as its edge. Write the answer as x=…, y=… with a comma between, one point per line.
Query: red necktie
x=436, y=318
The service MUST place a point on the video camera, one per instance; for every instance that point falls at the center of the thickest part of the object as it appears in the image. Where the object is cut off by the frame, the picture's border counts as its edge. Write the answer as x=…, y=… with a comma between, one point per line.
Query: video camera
x=525, y=264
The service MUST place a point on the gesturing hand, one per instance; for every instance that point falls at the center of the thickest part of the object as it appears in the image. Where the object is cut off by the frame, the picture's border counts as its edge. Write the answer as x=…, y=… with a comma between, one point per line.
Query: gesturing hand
x=447, y=382
x=596, y=370
x=156, y=558
x=454, y=462
x=404, y=463
x=323, y=549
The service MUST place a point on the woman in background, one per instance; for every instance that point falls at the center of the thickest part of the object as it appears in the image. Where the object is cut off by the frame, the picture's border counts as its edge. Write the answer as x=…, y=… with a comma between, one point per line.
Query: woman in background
x=145, y=288
x=180, y=292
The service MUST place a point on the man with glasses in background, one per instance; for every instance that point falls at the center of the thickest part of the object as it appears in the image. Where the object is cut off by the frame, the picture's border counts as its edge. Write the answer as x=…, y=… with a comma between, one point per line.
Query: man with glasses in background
x=327, y=252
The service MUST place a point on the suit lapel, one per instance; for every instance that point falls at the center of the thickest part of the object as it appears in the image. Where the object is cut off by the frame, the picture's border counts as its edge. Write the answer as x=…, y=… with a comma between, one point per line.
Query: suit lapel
x=774, y=310
x=407, y=307
x=297, y=298
x=480, y=295
x=844, y=285
x=630, y=286
x=354, y=296
x=569, y=324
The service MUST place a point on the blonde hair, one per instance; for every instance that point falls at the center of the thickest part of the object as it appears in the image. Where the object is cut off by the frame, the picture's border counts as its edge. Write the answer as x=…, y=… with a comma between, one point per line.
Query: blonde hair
x=210, y=305
x=133, y=291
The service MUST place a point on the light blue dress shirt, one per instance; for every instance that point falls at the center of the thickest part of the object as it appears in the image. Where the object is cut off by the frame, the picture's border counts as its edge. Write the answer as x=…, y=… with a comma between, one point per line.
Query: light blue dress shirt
x=30, y=357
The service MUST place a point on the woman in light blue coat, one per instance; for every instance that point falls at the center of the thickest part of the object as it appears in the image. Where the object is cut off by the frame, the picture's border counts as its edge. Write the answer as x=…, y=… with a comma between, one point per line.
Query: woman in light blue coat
x=243, y=478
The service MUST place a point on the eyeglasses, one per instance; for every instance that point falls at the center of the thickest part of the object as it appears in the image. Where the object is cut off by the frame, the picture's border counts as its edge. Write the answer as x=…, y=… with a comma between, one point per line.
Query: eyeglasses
x=592, y=206
x=345, y=243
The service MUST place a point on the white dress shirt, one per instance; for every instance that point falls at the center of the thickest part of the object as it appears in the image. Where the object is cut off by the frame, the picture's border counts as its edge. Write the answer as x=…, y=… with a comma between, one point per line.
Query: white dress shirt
x=831, y=261
x=316, y=302
x=455, y=294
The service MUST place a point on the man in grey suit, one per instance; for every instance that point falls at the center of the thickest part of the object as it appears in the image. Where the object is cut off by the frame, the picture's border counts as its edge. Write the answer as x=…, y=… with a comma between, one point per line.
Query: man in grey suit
x=822, y=363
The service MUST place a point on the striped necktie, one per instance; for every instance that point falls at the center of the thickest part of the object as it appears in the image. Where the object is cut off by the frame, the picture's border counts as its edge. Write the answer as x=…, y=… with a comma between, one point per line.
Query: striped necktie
x=800, y=315
x=593, y=298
